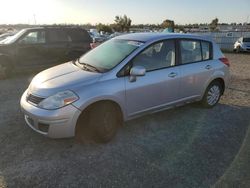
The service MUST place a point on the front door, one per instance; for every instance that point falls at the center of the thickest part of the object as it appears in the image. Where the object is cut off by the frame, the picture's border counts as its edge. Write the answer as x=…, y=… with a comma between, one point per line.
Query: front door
x=31, y=49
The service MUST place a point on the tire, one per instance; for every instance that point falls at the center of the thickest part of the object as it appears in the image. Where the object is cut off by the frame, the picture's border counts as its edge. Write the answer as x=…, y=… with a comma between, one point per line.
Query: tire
x=99, y=123
x=212, y=95
x=238, y=49
x=5, y=68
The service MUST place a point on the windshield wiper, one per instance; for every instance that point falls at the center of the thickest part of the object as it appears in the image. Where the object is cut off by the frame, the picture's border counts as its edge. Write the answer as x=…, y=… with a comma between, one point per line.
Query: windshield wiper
x=87, y=67
x=90, y=67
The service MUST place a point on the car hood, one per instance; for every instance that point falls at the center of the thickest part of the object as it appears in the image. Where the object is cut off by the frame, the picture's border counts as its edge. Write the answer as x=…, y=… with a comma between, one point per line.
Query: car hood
x=66, y=76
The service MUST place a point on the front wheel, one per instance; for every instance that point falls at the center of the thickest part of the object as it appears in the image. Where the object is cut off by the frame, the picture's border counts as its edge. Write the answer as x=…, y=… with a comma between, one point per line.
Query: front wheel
x=212, y=95
x=99, y=122
x=238, y=49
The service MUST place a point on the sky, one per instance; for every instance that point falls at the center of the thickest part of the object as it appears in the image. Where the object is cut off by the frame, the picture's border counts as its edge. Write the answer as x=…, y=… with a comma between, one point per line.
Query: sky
x=140, y=11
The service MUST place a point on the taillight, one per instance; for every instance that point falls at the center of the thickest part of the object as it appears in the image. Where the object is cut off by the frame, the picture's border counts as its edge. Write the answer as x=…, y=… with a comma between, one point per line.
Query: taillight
x=94, y=44
x=225, y=61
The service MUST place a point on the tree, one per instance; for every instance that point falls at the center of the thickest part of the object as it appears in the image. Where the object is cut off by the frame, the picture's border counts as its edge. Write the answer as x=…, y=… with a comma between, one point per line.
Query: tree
x=168, y=24
x=105, y=28
x=122, y=23
x=213, y=25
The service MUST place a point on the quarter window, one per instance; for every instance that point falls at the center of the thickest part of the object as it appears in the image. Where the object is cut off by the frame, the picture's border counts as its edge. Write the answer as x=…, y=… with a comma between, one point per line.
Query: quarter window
x=157, y=56
x=205, y=50
x=190, y=51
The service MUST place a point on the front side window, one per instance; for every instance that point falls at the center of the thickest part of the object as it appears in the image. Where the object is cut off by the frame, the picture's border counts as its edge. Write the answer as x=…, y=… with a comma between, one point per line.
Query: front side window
x=246, y=39
x=190, y=51
x=157, y=56
x=109, y=54
x=34, y=37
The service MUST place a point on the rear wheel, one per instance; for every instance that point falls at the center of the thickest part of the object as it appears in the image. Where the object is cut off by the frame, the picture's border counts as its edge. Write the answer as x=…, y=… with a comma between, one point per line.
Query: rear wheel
x=212, y=95
x=99, y=122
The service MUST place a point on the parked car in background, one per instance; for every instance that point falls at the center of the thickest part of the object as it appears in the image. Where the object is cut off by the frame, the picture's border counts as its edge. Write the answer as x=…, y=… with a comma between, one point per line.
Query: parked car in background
x=242, y=45
x=6, y=35
x=116, y=34
x=97, y=39
x=42, y=47
x=124, y=78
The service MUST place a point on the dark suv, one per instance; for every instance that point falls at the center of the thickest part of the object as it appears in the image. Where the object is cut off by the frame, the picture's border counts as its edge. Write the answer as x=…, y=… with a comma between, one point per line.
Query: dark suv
x=42, y=47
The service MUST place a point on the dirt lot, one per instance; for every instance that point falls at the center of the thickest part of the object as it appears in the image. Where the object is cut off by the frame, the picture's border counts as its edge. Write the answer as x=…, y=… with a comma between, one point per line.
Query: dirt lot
x=184, y=147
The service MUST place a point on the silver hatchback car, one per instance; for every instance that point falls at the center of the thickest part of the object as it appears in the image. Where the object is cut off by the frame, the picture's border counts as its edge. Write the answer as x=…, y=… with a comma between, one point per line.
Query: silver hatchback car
x=124, y=78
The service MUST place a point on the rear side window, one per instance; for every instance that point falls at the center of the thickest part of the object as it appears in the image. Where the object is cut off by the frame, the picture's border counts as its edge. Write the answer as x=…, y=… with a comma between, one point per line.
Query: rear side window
x=58, y=35
x=195, y=51
x=79, y=35
x=190, y=51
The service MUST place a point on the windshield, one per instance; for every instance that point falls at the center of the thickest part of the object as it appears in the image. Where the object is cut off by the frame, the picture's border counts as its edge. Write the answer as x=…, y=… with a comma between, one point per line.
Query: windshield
x=109, y=54
x=13, y=38
x=246, y=39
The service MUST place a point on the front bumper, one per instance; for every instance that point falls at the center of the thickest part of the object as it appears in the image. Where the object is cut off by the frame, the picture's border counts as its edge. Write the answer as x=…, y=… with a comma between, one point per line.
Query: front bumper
x=58, y=123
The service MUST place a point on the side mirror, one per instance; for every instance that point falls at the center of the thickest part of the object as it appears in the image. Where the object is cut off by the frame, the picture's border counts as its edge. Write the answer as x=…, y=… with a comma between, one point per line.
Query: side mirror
x=136, y=71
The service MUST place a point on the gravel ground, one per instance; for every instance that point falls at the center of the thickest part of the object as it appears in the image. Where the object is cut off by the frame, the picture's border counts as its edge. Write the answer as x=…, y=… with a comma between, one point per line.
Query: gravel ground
x=185, y=147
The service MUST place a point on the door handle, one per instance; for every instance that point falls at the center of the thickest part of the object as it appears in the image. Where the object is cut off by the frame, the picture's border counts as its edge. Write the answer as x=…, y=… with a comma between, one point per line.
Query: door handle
x=172, y=74
x=208, y=67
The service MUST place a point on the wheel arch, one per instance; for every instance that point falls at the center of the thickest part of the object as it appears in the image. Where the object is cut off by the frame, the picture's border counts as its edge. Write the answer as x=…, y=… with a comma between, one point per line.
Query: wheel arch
x=103, y=101
x=222, y=83
x=95, y=104
x=216, y=79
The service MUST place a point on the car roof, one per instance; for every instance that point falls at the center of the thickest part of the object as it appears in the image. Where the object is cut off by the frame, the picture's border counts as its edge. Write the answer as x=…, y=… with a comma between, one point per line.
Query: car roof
x=53, y=27
x=147, y=37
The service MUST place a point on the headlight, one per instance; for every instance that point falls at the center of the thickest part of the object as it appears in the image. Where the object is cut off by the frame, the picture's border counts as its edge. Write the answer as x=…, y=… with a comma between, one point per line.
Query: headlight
x=58, y=100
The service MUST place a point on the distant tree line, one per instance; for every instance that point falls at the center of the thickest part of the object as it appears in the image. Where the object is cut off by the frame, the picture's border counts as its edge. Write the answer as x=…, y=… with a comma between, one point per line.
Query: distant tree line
x=123, y=24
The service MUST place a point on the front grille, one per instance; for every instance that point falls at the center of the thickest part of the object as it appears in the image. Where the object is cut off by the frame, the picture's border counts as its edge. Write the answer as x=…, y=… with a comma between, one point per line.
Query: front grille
x=34, y=99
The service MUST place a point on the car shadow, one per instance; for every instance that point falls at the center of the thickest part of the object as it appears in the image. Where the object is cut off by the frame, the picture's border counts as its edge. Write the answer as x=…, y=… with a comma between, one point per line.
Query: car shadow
x=187, y=146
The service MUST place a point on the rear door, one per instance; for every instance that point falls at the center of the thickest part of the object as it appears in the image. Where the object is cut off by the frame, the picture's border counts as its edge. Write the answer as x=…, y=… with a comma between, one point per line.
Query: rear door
x=160, y=85
x=80, y=42
x=197, y=67
x=59, y=45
